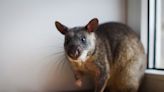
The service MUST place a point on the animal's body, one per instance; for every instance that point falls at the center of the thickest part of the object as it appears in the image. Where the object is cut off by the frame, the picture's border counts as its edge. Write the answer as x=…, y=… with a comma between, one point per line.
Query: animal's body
x=111, y=53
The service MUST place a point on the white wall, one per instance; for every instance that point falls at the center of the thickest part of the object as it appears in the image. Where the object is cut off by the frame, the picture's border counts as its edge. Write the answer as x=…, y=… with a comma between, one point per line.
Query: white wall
x=162, y=4
x=28, y=39
x=137, y=18
x=134, y=14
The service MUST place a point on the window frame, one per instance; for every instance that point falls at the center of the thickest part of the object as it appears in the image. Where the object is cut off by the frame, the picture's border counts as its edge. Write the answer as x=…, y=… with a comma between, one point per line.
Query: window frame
x=152, y=75
x=149, y=27
x=154, y=34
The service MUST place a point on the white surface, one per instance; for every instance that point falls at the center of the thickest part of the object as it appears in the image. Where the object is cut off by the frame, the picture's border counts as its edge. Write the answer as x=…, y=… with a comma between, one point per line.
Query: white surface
x=144, y=23
x=134, y=14
x=155, y=72
x=158, y=33
x=151, y=33
x=162, y=51
x=162, y=36
x=28, y=39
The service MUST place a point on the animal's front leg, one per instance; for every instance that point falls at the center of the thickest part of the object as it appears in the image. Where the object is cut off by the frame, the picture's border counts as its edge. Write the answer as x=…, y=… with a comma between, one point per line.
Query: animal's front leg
x=99, y=70
x=101, y=81
x=101, y=75
x=78, y=78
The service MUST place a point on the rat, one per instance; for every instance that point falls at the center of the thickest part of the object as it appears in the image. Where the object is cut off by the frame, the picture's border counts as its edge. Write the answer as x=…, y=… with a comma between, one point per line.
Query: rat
x=111, y=53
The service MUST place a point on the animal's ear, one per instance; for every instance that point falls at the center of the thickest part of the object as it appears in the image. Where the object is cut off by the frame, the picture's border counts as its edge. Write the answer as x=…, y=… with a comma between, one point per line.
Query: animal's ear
x=62, y=28
x=92, y=25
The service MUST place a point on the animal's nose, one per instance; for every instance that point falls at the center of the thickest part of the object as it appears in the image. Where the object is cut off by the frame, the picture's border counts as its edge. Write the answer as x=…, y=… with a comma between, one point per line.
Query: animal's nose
x=74, y=52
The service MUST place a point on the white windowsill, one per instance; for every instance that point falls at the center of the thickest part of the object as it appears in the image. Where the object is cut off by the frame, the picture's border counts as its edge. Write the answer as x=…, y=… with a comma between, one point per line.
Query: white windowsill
x=154, y=72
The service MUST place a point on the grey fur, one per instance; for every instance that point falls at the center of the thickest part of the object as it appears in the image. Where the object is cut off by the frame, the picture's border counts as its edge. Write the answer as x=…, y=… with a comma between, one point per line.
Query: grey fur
x=116, y=61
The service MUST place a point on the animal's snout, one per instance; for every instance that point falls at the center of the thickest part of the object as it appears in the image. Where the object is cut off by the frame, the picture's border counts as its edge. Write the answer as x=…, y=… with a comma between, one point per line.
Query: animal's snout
x=74, y=51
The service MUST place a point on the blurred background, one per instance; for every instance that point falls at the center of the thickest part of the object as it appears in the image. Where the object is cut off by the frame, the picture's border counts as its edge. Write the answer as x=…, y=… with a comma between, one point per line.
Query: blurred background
x=162, y=35
x=31, y=48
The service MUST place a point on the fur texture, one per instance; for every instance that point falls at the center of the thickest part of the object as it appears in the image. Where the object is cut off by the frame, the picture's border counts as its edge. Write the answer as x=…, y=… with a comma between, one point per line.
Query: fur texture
x=111, y=53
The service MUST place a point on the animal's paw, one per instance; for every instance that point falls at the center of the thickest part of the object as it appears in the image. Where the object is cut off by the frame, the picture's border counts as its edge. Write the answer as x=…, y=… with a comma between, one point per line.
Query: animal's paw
x=78, y=82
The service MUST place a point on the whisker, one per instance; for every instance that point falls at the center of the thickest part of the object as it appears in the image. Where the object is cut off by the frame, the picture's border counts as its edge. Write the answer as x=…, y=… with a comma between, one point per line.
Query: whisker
x=52, y=62
x=62, y=64
x=52, y=67
x=59, y=59
x=56, y=47
x=60, y=52
x=58, y=65
x=55, y=54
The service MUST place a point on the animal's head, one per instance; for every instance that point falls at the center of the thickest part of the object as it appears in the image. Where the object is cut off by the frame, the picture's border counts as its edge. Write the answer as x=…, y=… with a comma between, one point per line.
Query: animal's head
x=79, y=42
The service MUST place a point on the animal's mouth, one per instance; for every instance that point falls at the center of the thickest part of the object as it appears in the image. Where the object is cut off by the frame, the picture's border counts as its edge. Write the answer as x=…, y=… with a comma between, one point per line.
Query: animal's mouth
x=74, y=52
x=74, y=55
x=81, y=57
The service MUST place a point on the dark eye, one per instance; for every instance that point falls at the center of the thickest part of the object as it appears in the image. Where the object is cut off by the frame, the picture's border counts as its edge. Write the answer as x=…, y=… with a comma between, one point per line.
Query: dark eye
x=83, y=39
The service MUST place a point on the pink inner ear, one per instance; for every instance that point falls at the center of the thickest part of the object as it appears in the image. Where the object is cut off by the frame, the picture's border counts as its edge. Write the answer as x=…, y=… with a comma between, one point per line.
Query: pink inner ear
x=92, y=25
x=89, y=27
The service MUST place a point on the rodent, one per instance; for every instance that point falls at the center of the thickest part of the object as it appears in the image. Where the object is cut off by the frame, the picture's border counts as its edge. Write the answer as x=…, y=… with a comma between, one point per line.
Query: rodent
x=111, y=53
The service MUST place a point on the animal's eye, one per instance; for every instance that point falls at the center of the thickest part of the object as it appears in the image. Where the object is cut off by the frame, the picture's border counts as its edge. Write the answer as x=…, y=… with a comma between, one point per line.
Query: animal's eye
x=83, y=39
